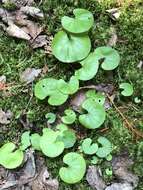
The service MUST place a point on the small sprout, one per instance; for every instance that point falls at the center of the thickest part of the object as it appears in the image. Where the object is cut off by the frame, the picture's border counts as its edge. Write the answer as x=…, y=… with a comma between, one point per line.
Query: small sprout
x=97, y=97
x=109, y=172
x=70, y=117
x=68, y=88
x=89, y=68
x=89, y=148
x=82, y=22
x=94, y=160
x=95, y=116
x=51, y=117
x=76, y=170
x=137, y=100
x=9, y=157
x=106, y=148
x=127, y=89
x=109, y=157
x=35, y=141
x=69, y=47
x=110, y=57
x=49, y=144
x=25, y=140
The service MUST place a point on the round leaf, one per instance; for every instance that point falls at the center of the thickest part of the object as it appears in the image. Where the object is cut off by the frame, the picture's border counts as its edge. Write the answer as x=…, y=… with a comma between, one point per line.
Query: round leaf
x=35, y=141
x=109, y=56
x=43, y=88
x=106, y=148
x=76, y=170
x=25, y=140
x=89, y=68
x=70, y=117
x=127, y=89
x=95, y=116
x=68, y=138
x=89, y=148
x=82, y=22
x=69, y=47
x=9, y=158
x=49, y=145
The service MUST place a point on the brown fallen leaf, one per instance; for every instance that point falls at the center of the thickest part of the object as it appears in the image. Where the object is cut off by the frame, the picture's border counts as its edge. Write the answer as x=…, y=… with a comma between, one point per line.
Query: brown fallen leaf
x=15, y=31
x=94, y=178
x=5, y=117
x=29, y=75
x=40, y=41
x=32, y=11
x=114, y=13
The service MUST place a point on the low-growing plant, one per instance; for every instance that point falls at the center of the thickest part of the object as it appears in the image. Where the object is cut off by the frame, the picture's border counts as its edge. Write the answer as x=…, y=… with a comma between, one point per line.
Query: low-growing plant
x=69, y=117
x=51, y=117
x=89, y=148
x=75, y=170
x=127, y=89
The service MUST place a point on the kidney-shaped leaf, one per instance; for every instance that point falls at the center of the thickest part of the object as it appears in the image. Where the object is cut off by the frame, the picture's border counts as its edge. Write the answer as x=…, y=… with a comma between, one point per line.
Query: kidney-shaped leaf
x=51, y=117
x=69, y=47
x=25, y=140
x=95, y=116
x=82, y=22
x=89, y=68
x=127, y=89
x=49, y=144
x=89, y=148
x=68, y=88
x=35, y=141
x=105, y=149
x=9, y=157
x=76, y=170
x=108, y=56
x=70, y=117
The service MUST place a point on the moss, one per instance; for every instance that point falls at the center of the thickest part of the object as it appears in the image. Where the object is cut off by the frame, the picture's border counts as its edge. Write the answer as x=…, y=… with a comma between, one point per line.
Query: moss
x=16, y=56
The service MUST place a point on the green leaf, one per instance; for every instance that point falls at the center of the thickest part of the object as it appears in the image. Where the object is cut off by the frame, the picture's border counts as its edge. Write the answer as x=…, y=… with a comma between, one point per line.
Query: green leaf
x=35, y=141
x=9, y=158
x=49, y=144
x=97, y=97
x=76, y=170
x=82, y=22
x=137, y=100
x=95, y=116
x=69, y=47
x=61, y=128
x=109, y=56
x=43, y=88
x=68, y=137
x=89, y=148
x=51, y=117
x=57, y=98
x=68, y=88
x=70, y=117
x=94, y=160
x=105, y=149
x=127, y=89
x=25, y=140
x=89, y=68
x=108, y=171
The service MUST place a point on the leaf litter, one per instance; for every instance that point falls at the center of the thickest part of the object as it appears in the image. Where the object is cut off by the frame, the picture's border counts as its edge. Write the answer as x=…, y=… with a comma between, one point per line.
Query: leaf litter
x=20, y=23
